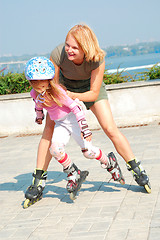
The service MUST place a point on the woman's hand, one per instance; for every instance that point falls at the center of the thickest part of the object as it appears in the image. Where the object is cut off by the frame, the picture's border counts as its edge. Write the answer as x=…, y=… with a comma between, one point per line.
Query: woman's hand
x=71, y=95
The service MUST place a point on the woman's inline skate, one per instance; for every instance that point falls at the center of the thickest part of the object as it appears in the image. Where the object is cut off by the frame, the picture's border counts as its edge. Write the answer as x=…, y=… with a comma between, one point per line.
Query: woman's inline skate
x=75, y=179
x=35, y=190
x=139, y=174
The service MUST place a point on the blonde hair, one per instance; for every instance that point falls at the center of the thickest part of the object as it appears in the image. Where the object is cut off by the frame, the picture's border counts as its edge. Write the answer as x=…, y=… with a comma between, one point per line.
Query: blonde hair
x=53, y=94
x=88, y=41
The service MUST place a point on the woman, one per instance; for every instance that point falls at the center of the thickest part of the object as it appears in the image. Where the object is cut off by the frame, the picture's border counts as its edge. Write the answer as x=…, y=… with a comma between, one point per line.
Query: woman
x=79, y=66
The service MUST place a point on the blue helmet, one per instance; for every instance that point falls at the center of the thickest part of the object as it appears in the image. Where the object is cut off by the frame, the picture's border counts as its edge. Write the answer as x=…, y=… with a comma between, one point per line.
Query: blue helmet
x=39, y=68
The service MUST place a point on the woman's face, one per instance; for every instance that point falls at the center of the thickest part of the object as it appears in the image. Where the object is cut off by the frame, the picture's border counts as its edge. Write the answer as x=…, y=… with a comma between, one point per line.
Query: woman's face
x=39, y=85
x=73, y=50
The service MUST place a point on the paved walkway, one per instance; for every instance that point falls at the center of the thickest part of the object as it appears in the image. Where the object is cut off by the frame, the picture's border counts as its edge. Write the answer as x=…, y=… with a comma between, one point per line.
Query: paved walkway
x=103, y=211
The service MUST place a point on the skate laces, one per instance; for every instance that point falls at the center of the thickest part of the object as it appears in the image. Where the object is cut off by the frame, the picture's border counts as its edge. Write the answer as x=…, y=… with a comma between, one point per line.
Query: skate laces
x=114, y=169
x=115, y=174
x=136, y=168
x=39, y=181
x=73, y=179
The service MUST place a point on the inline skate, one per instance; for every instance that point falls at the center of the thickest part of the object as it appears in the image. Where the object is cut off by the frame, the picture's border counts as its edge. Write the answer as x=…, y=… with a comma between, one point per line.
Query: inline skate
x=75, y=179
x=139, y=174
x=35, y=190
x=114, y=169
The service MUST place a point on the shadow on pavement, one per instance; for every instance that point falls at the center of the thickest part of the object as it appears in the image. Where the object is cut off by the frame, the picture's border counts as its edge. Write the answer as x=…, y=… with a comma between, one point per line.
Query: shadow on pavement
x=54, y=191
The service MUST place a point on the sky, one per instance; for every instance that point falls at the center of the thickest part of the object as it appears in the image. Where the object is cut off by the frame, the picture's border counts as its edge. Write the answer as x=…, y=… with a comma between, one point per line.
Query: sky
x=38, y=26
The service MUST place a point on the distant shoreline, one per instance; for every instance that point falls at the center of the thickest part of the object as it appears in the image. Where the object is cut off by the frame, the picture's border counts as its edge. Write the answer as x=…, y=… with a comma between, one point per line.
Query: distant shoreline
x=111, y=52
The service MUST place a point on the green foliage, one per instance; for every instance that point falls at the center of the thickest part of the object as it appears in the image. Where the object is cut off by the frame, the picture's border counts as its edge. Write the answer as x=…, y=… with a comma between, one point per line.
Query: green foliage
x=114, y=78
x=154, y=72
x=117, y=77
x=13, y=83
x=120, y=77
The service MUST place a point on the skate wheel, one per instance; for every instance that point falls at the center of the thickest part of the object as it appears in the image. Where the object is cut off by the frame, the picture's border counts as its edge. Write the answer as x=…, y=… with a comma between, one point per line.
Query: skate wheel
x=26, y=203
x=72, y=196
x=122, y=181
x=147, y=188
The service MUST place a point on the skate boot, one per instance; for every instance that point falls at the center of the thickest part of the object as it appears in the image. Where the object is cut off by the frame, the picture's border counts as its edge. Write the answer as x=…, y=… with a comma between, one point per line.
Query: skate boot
x=75, y=179
x=35, y=190
x=139, y=174
x=114, y=169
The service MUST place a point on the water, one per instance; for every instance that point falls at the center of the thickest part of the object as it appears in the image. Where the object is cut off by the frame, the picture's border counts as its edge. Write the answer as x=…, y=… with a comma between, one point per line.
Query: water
x=112, y=64
x=139, y=63
x=14, y=67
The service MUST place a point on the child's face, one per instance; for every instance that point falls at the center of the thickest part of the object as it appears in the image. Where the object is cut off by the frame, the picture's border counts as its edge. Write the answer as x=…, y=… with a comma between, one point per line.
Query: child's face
x=73, y=50
x=39, y=85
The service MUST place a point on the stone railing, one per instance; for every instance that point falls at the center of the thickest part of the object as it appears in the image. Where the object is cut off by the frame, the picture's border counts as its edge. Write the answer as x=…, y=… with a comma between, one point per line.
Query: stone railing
x=132, y=104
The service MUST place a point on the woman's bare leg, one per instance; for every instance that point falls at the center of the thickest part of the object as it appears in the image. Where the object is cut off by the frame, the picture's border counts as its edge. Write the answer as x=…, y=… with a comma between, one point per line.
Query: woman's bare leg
x=102, y=111
x=43, y=154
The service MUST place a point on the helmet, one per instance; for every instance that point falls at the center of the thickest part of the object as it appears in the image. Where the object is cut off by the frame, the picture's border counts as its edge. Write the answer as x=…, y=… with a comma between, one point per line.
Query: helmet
x=39, y=68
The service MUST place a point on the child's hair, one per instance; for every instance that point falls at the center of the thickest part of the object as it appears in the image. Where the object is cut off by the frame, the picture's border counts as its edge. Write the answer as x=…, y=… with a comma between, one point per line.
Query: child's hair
x=88, y=41
x=53, y=94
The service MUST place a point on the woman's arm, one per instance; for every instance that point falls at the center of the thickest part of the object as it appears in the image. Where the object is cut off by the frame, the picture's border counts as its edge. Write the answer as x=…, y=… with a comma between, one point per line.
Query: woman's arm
x=96, y=82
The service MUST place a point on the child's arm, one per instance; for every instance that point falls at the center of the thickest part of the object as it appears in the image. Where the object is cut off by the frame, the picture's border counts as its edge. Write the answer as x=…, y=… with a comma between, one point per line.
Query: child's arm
x=38, y=109
x=86, y=133
x=39, y=116
x=76, y=108
x=80, y=116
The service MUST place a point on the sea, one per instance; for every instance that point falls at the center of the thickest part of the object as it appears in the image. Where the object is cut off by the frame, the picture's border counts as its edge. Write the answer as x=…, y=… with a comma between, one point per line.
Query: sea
x=128, y=64
x=133, y=65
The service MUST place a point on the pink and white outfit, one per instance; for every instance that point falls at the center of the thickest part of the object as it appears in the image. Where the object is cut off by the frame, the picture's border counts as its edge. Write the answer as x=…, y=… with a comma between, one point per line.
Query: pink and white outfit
x=69, y=121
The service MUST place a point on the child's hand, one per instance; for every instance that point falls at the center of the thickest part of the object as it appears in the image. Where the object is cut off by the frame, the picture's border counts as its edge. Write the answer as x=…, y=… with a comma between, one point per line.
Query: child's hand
x=38, y=120
x=88, y=139
x=40, y=116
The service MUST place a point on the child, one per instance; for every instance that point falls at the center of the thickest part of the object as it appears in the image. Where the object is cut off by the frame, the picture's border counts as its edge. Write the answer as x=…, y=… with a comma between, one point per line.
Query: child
x=69, y=120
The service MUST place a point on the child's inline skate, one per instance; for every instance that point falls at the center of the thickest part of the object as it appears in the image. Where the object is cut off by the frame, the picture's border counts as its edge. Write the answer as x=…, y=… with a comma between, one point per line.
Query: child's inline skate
x=114, y=168
x=35, y=190
x=139, y=174
x=75, y=179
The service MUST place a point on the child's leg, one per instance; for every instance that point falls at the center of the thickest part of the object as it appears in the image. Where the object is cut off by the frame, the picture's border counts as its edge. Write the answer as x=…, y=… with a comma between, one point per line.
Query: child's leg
x=89, y=151
x=58, y=152
x=73, y=173
x=60, y=138
x=35, y=190
x=93, y=152
x=107, y=162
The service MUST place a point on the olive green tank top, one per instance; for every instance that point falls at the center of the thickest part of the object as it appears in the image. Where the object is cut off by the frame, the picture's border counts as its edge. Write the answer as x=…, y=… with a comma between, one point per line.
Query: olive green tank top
x=76, y=78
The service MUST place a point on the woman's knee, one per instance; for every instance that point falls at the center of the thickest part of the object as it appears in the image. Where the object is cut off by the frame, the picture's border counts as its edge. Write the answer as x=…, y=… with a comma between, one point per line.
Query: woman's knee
x=111, y=131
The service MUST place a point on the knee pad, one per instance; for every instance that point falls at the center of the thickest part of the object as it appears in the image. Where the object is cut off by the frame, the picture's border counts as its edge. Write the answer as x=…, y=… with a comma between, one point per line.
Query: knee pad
x=88, y=154
x=57, y=151
x=91, y=153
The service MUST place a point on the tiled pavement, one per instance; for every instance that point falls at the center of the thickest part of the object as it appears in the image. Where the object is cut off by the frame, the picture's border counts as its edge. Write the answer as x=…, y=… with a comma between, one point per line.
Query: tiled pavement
x=103, y=210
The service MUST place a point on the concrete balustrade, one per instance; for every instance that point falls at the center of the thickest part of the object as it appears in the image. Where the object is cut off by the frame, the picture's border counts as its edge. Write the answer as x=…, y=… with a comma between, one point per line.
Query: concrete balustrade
x=132, y=104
